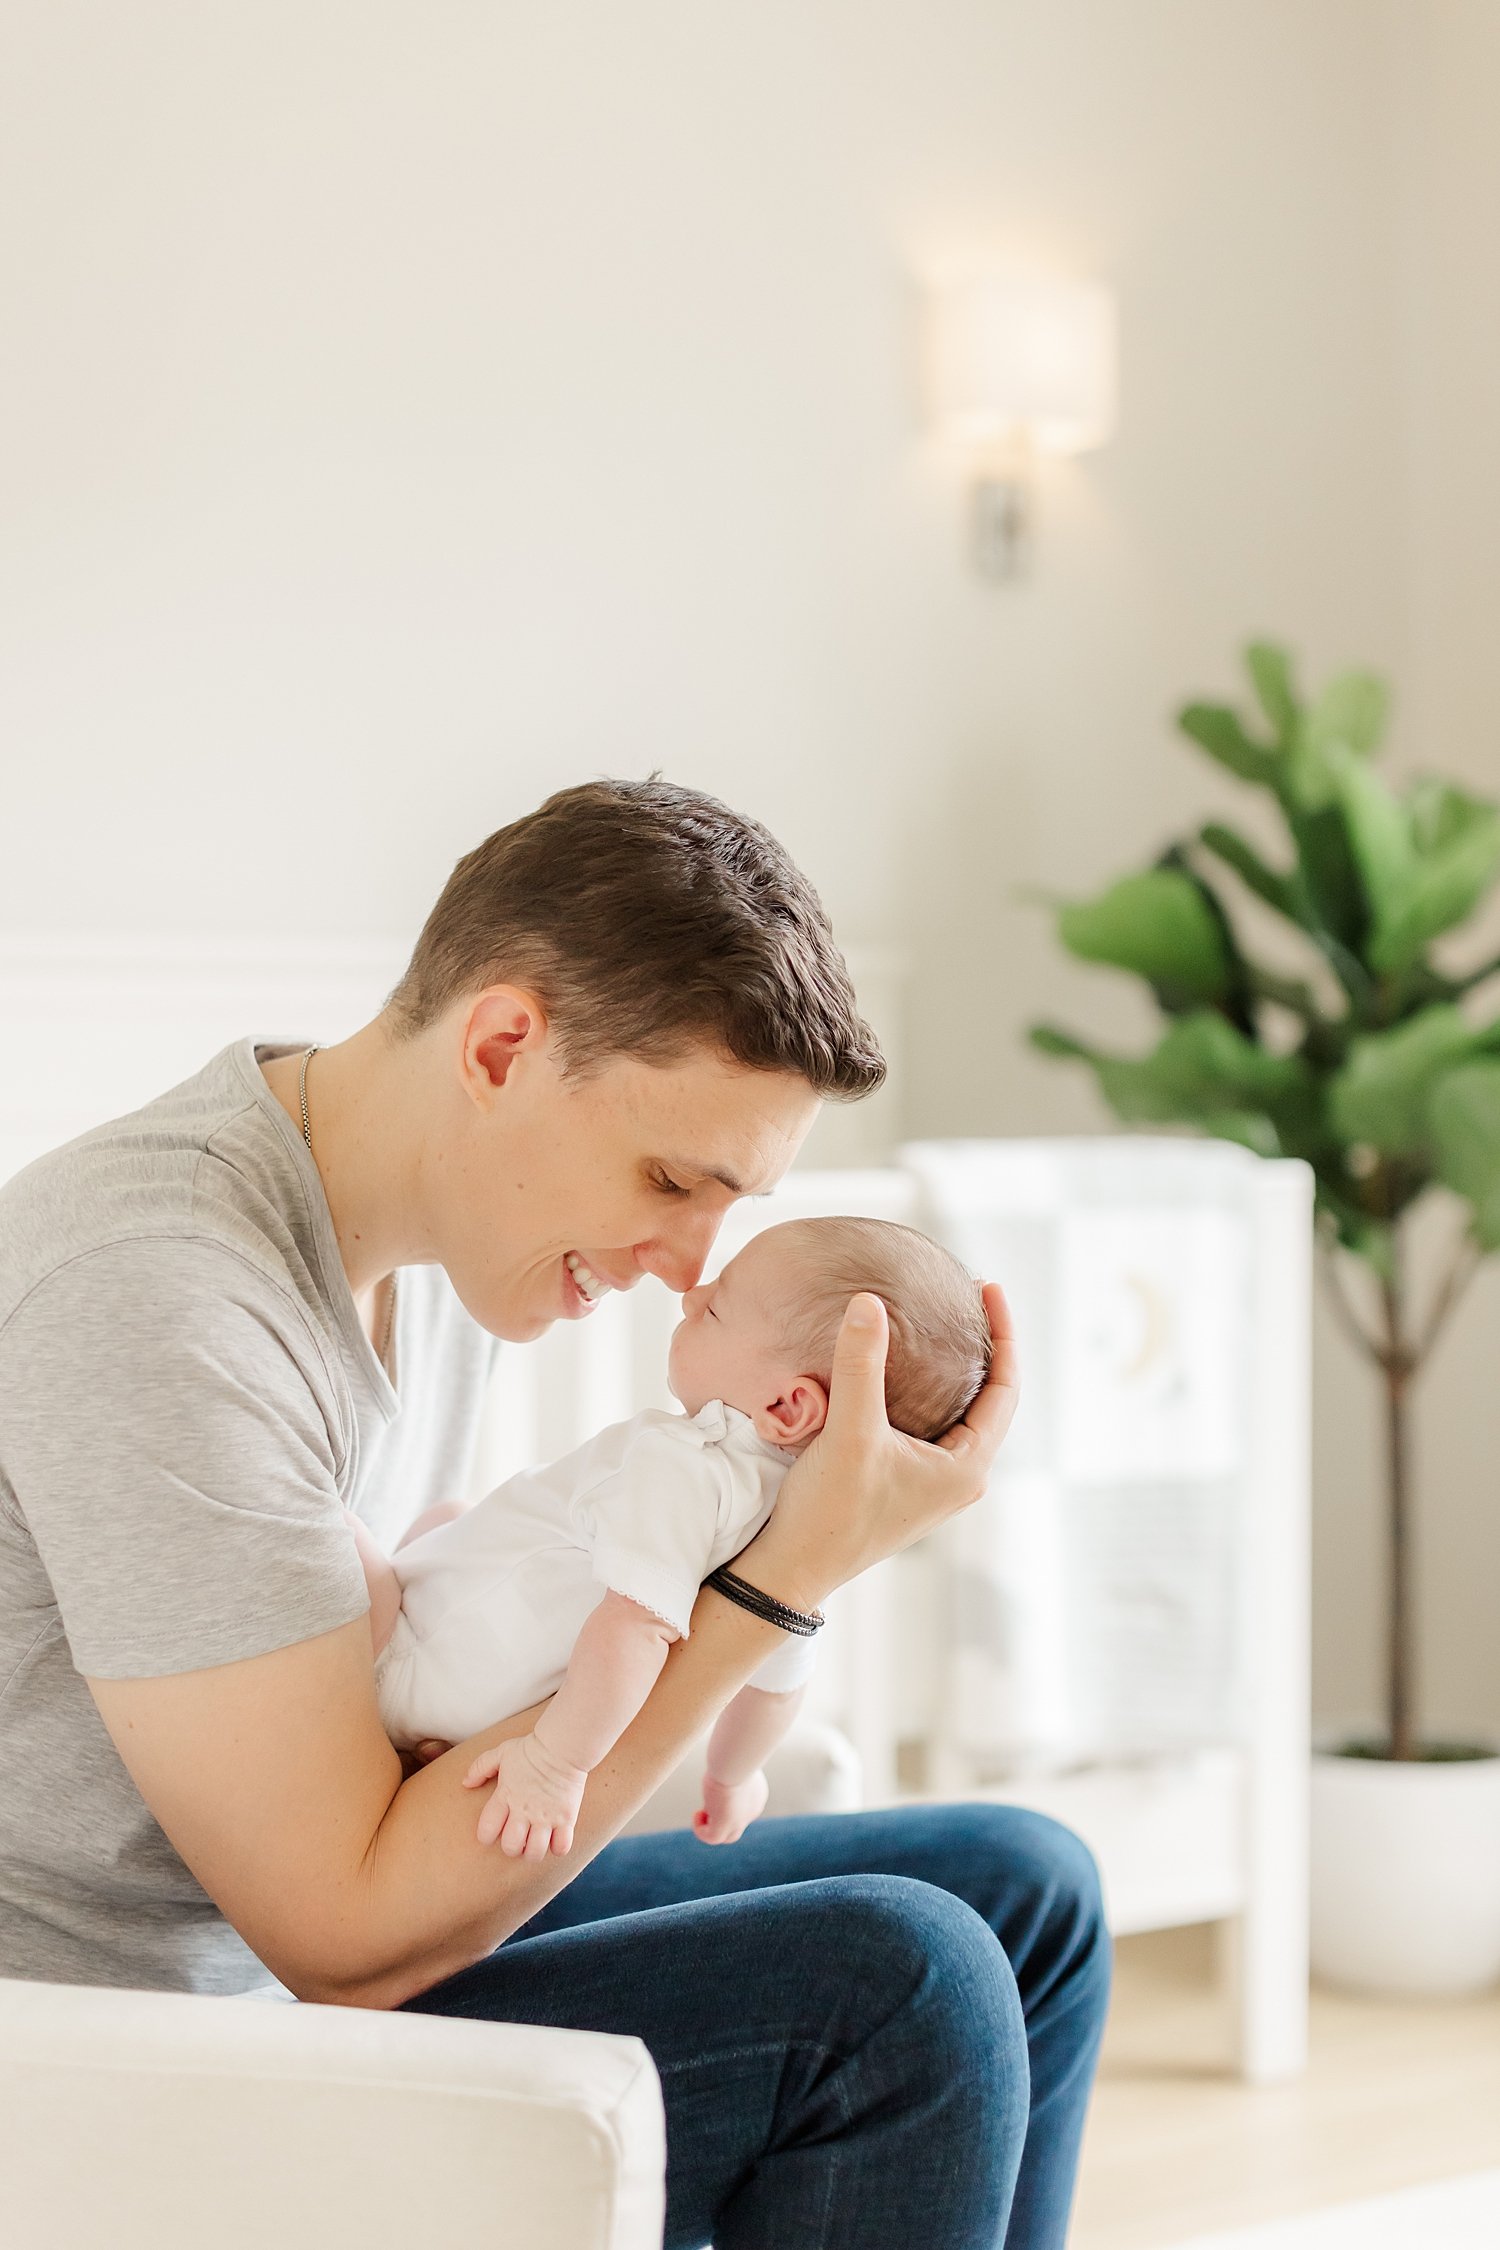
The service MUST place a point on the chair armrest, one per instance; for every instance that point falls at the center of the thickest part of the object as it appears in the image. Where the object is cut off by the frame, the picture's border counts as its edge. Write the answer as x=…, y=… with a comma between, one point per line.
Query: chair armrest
x=163, y=2121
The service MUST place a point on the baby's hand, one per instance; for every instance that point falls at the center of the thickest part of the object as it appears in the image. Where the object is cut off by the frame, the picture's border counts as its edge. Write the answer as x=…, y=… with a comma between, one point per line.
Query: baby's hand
x=536, y=1799
x=728, y=1808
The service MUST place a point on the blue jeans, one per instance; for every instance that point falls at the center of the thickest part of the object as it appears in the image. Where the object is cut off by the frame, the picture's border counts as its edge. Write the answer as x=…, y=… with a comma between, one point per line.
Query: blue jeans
x=872, y=2029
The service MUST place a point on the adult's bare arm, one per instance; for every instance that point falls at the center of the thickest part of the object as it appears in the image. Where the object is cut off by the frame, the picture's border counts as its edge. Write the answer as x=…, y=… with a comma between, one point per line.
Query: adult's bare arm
x=275, y=1782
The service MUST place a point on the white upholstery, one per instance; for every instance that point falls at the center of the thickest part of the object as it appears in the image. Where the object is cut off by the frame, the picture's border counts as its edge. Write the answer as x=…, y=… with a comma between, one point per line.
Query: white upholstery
x=162, y=2121
x=165, y=2121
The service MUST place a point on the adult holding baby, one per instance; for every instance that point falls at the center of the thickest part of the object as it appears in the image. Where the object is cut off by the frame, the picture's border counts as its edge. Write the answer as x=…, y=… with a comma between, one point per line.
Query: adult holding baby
x=273, y=1292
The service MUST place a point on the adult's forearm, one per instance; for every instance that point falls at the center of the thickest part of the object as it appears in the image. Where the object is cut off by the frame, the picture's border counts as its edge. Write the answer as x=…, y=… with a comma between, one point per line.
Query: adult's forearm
x=430, y=1899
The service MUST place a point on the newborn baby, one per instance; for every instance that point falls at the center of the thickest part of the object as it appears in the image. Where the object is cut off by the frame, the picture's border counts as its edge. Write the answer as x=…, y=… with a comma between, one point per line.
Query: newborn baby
x=572, y=1581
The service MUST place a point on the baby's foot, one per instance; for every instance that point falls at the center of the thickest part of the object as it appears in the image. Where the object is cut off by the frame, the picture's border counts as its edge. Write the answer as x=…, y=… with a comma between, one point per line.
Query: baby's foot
x=728, y=1808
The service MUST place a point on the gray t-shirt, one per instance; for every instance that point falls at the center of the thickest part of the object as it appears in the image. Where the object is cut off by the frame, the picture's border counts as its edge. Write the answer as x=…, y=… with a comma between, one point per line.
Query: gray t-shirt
x=187, y=1399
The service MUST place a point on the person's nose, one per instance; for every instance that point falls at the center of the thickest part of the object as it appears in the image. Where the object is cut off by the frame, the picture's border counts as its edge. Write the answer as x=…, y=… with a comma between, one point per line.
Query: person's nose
x=678, y=1258
x=693, y=1299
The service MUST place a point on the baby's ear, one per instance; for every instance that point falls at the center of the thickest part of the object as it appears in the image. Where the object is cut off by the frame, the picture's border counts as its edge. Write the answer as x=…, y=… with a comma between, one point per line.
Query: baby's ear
x=796, y=1416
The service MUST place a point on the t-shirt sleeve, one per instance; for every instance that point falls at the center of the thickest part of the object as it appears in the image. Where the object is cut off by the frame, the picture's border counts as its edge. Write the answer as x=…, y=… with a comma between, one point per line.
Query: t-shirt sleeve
x=169, y=1430
x=654, y=1522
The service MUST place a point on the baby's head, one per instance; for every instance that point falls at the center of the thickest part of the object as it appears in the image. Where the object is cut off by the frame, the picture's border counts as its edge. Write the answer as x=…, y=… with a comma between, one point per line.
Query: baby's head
x=761, y=1336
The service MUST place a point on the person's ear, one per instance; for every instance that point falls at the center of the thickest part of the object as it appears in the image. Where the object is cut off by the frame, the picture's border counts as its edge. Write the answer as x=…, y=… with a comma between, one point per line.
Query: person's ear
x=797, y=1415
x=503, y=1023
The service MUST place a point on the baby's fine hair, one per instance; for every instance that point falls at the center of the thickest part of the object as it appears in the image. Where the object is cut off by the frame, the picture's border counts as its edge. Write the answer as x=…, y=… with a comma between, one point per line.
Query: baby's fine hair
x=940, y=1336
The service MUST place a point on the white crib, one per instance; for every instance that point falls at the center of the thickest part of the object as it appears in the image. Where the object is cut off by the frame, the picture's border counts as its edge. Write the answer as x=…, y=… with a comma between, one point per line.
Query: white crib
x=1190, y=1785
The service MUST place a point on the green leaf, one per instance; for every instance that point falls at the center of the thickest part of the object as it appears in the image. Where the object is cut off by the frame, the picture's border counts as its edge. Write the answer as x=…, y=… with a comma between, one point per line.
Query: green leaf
x=1379, y=837
x=1048, y=1040
x=1415, y=894
x=1203, y=1070
x=1216, y=729
x=1330, y=878
x=1270, y=669
x=1352, y=710
x=1346, y=721
x=1280, y=891
x=1444, y=888
x=1205, y=1053
x=1157, y=1090
x=1465, y=1116
x=1238, y=994
x=1439, y=814
x=1159, y=926
x=1382, y=1095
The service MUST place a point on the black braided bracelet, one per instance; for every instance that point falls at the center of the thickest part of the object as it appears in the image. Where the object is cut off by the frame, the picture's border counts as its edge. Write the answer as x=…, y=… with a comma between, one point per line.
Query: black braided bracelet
x=764, y=1606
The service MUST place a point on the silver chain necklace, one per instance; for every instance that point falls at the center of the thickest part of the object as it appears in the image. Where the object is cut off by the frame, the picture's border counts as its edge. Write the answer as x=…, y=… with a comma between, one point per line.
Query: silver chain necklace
x=390, y=1309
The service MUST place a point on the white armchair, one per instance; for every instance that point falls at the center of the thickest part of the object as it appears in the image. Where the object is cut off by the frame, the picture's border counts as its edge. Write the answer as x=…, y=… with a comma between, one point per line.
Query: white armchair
x=165, y=2121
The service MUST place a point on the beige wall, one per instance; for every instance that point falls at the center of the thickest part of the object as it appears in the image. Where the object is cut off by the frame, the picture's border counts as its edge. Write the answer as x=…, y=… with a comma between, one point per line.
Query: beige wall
x=1444, y=66
x=420, y=408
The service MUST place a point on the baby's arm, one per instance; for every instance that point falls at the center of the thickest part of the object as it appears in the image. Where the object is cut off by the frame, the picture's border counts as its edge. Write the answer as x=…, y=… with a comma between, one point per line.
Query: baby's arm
x=734, y=1787
x=616, y=1662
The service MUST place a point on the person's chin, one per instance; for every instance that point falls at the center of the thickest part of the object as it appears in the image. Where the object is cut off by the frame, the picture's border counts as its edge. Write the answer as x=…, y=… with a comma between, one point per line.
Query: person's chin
x=518, y=1328
x=509, y=1322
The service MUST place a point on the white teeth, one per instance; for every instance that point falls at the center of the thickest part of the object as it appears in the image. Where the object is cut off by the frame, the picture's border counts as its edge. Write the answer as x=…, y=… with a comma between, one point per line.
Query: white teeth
x=588, y=1281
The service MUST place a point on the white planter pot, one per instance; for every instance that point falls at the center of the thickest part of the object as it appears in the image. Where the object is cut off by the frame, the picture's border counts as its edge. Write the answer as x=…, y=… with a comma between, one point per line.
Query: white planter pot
x=1406, y=1875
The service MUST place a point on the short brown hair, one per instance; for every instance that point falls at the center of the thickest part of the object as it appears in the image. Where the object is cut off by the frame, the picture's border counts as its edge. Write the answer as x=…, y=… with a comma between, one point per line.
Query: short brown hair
x=940, y=1335
x=648, y=918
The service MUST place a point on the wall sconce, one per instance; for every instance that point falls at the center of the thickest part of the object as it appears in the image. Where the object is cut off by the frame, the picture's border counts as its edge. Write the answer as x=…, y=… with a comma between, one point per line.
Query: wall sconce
x=1020, y=367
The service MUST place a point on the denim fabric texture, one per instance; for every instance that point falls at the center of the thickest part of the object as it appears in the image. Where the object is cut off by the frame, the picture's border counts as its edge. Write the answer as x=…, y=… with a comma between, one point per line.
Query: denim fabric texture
x=872, y=2029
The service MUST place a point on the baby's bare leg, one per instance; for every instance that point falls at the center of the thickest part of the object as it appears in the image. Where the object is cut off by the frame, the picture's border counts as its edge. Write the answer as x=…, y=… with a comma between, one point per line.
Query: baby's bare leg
x=380, y=1577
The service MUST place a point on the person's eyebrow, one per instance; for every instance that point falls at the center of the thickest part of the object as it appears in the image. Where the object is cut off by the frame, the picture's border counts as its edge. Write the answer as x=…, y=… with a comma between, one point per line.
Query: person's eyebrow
x=724, y=1179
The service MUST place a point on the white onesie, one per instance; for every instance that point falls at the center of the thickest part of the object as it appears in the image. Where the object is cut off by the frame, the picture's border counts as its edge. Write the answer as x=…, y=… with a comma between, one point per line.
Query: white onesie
x=492, y=1603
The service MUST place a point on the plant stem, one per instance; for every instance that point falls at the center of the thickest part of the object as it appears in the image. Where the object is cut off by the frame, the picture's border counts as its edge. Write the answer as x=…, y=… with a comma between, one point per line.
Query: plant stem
x=1467, y=1260
x=1396, y=1366
x=1348, y=1319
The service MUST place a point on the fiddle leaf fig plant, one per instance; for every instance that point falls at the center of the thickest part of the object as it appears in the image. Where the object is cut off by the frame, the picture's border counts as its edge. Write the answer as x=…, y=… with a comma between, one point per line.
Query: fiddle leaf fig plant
x=1373, y=1060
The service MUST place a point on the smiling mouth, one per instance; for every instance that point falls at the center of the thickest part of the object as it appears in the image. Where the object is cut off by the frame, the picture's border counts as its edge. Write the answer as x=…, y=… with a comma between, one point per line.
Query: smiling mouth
x=588, y=1284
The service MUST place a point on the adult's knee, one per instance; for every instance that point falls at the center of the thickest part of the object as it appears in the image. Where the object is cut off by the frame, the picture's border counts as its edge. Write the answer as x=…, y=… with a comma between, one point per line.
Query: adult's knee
x=1036, y=1885
x=911, y=1950
x=1055, y=1927
x=1058, y=1870
x=1042, y=1866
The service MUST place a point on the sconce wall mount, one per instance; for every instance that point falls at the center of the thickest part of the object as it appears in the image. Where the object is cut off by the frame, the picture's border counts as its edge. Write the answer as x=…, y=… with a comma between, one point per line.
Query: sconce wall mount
x=1021, y=368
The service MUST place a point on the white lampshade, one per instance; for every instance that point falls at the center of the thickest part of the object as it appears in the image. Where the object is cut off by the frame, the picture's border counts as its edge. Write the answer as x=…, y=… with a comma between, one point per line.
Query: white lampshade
x=1024, y=359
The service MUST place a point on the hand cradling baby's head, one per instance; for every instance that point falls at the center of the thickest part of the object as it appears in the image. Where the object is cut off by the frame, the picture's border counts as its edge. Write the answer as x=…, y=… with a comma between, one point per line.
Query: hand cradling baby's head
x=761, y=1335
